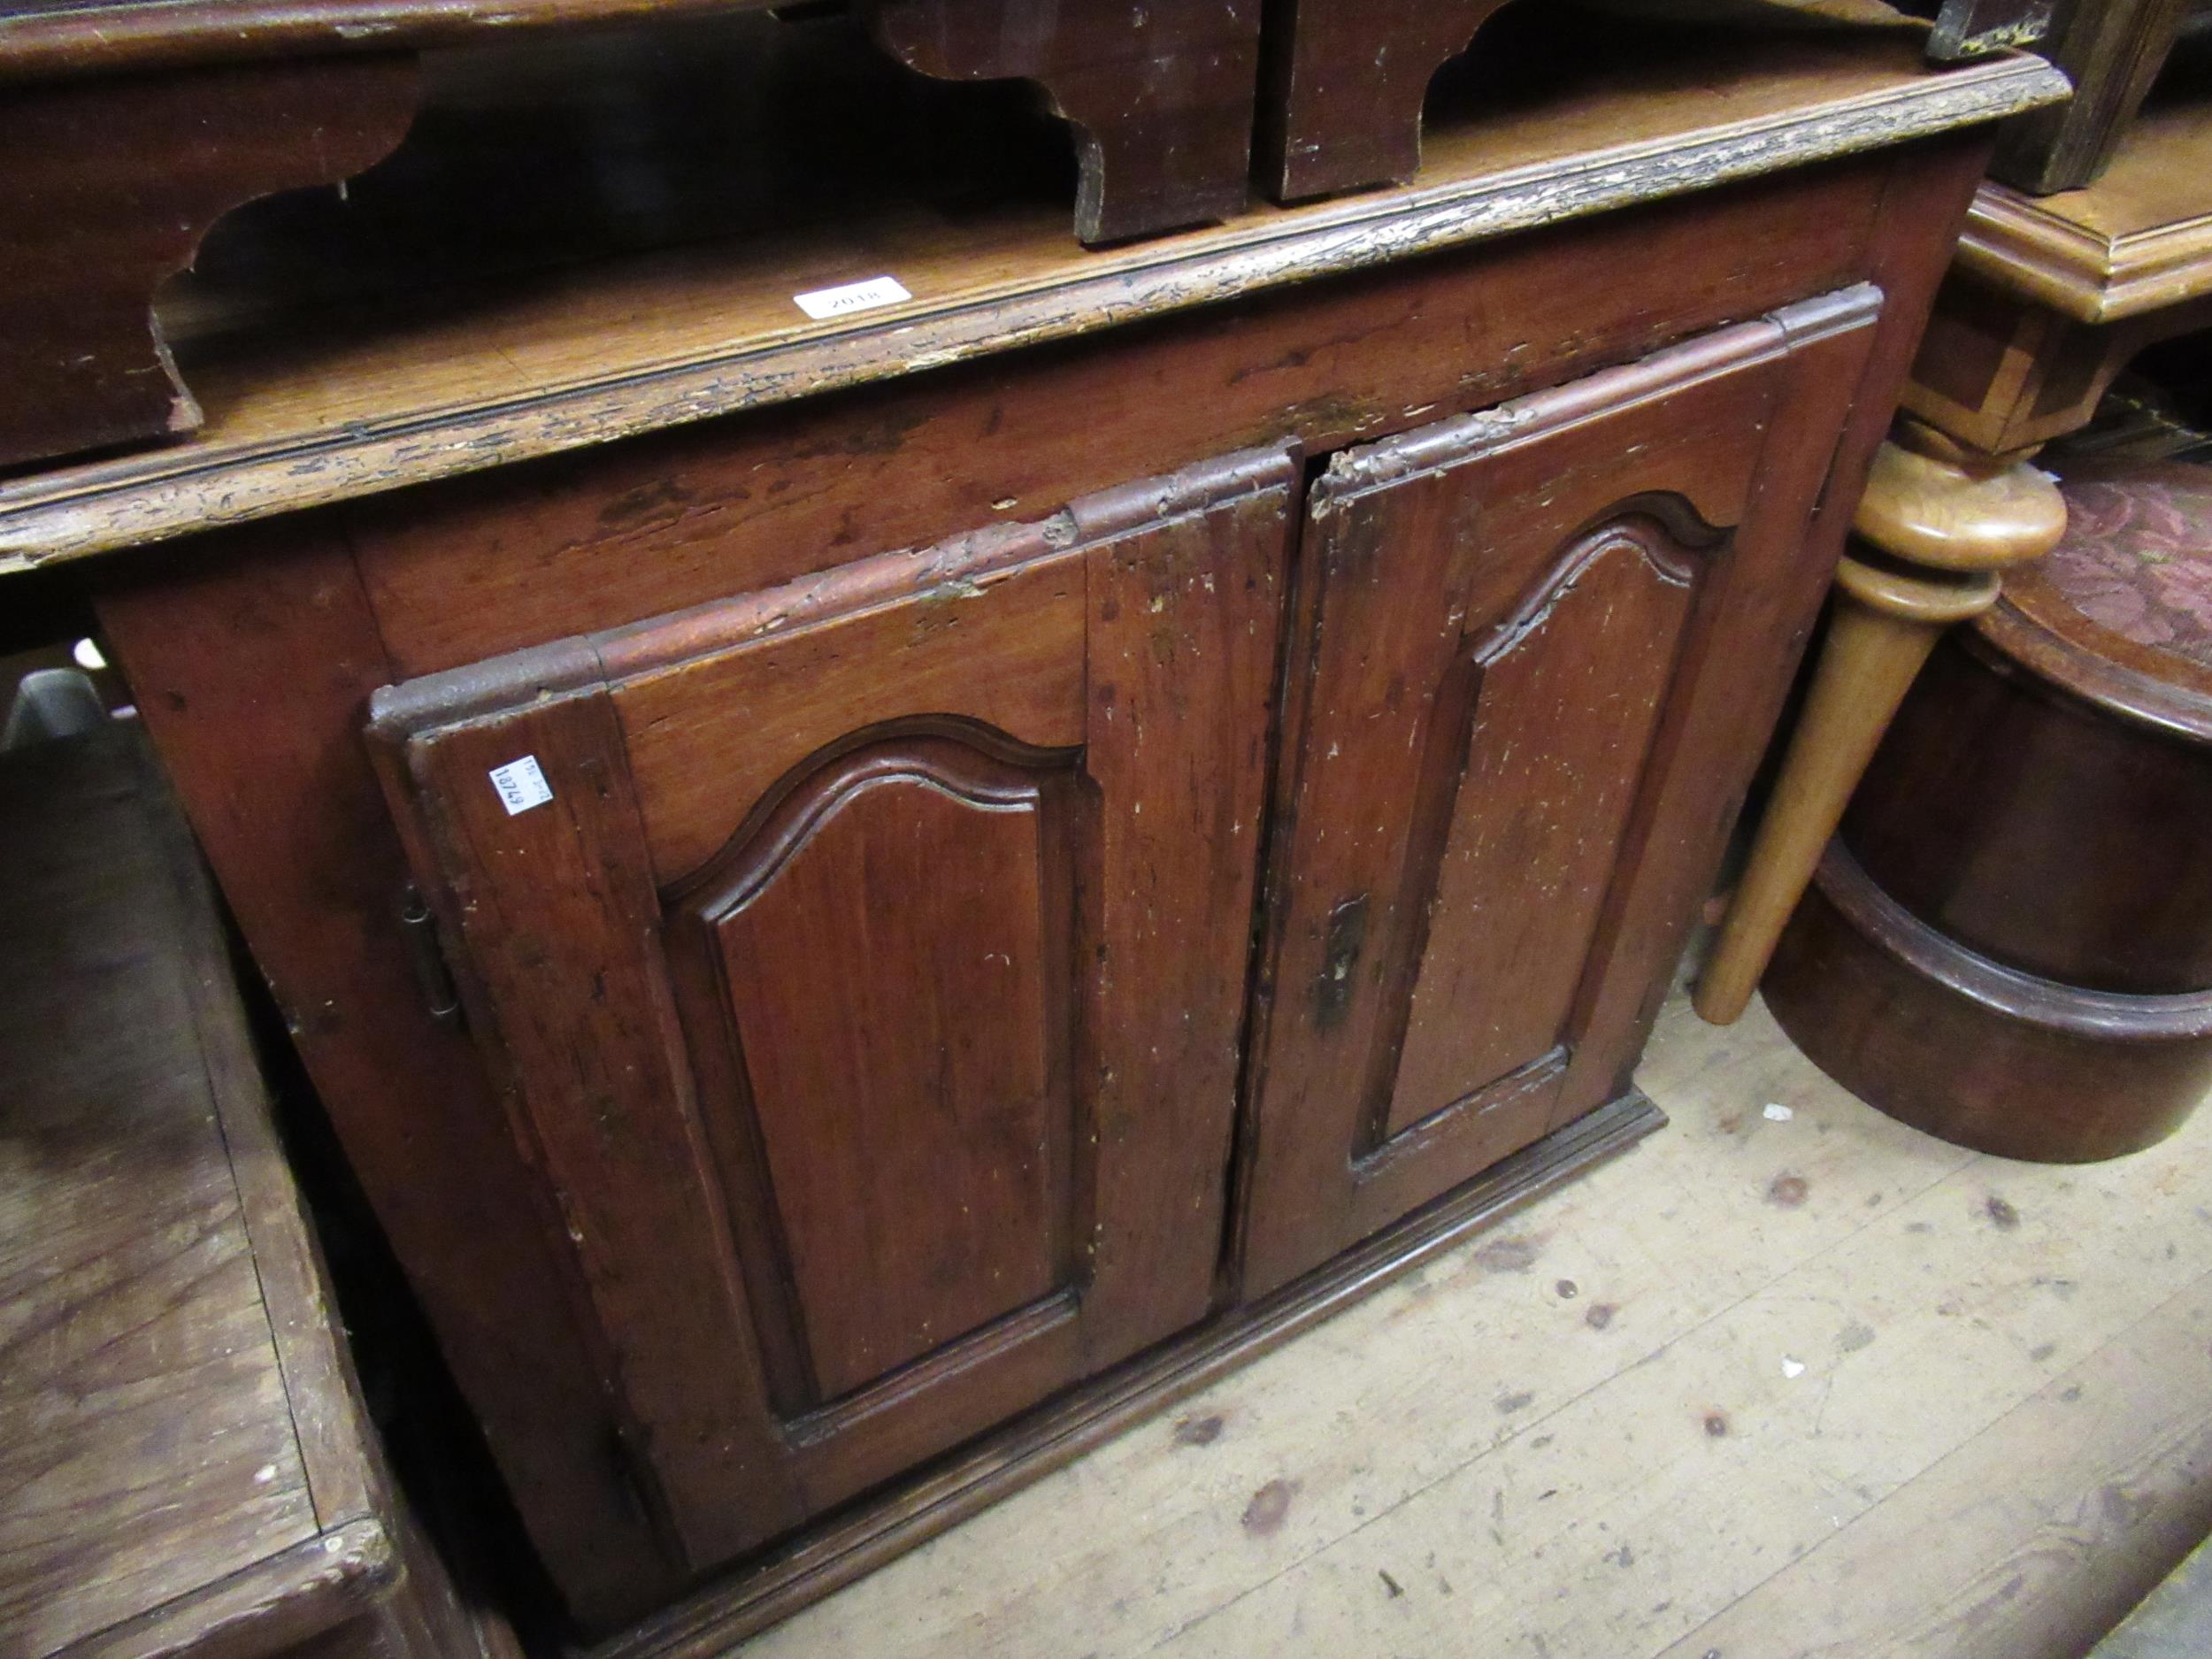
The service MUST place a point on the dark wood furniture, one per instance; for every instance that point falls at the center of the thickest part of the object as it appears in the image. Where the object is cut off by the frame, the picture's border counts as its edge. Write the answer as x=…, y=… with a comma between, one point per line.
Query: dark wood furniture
x=2047, y=301
x=132, y=127
x=186, y=1468
x=2112, y=51
x=990, y=858
x=2009, y=943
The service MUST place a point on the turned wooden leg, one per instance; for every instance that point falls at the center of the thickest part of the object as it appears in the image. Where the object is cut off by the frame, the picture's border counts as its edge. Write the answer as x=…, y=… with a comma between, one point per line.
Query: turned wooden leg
x=1346, y=81
x=1161, y=95
x=106, y=188
x=1935, y=526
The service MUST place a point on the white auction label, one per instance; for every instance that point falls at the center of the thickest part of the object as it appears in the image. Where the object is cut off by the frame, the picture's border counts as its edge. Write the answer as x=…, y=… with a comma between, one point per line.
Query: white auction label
x=853, y=296
x=521, y=784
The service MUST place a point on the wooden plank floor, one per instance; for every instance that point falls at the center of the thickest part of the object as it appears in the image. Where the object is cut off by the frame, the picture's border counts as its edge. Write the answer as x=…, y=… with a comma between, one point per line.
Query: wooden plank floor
x=1768, y=1385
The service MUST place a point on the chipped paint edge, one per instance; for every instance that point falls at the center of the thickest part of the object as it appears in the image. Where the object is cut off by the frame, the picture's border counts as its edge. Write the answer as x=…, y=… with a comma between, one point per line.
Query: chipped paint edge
x=53, y=518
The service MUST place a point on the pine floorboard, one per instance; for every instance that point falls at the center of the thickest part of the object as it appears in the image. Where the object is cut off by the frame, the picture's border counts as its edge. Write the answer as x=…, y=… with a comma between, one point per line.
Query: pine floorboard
x=1770, y=1384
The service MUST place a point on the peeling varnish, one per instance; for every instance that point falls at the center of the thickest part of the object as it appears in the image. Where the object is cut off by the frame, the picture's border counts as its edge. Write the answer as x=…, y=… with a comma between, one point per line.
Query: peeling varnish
x=83, y=510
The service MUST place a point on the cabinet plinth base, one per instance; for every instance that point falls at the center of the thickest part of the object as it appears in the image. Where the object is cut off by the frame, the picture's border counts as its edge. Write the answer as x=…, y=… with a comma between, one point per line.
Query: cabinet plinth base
x=848, y=1546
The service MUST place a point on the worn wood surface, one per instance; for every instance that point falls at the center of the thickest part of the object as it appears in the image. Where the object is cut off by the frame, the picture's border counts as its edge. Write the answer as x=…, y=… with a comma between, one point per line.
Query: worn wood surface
x=281, y=794
x=2112, y=50
x=1473, y=748
x=53, y=39
x=188, y=1468
x=625, y=347
x=848, y=1547
x=1906, y=1402
x=131, y=1303
x=330, y=606
x=110, y=187
x=695, y=516
x=1161, y=96
x=938, y=993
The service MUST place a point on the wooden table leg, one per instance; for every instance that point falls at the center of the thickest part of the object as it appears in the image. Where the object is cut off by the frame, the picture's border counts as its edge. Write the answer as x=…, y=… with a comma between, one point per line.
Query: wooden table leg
x=1935, y=526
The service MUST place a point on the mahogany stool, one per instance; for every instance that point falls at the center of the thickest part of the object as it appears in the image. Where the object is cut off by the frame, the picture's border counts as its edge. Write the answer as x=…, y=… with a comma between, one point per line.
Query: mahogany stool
x=2009, y=942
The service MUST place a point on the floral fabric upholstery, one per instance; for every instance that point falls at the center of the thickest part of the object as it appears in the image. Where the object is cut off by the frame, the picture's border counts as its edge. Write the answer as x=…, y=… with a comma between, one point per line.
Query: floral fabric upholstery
x=2136, y=555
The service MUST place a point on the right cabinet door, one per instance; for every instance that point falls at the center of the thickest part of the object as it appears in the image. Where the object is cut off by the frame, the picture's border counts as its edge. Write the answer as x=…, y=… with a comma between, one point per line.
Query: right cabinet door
x=1536, y=652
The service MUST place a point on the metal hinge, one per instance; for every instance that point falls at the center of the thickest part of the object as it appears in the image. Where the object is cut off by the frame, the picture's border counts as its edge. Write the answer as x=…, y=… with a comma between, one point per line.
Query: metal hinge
x=420, y=927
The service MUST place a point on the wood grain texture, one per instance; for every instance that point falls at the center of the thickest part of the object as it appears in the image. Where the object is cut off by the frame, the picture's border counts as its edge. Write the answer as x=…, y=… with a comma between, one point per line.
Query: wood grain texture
x=555, y=913
x=2003, y=373
x=110, y=187
x=54, y=39
x=765, y=502
x=282, y=797
x=1346, y=81
x=737, y=1083
x=648, y=344
x=936, y=1029
x=747, y=1601
x=1161, y=96
x=1408, y=752
x=190, y=1470
x=2112, y=50
x=131, y=1305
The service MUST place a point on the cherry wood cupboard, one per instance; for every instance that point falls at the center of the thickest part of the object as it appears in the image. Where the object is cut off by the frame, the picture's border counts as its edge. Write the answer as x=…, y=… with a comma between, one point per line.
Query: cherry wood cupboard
x=873, y=898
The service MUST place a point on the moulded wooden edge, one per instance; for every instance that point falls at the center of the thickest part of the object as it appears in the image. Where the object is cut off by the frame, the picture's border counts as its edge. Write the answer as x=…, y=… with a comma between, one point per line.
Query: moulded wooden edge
x=752, y=1597
x=561, y=666
x=137, y=34
x=2036, y=249
x=2027, y=999
x=268, y=1608
x=77, y=512
x=2085, y=661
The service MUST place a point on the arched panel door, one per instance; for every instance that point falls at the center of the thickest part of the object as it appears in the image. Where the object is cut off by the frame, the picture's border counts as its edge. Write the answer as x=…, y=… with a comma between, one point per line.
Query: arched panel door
x=1516, y=731
x=864, y=961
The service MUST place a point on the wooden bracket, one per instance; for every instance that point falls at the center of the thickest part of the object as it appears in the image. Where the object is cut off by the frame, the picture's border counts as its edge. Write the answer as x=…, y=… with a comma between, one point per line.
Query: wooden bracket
x=1346, y=81
x=109, y=186
x=1161, y=96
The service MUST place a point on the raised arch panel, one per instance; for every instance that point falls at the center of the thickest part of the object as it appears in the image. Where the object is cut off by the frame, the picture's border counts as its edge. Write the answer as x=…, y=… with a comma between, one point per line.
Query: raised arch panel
x=1566, y=698
x=887, y=966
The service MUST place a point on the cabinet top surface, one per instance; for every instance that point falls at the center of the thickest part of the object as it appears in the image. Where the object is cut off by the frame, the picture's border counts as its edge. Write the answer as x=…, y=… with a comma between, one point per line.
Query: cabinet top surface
x=304, y=414
x=2137, y=239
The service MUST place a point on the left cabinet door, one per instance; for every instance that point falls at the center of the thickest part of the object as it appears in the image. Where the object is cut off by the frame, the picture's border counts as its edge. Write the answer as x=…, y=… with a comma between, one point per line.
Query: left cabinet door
x=863, y=961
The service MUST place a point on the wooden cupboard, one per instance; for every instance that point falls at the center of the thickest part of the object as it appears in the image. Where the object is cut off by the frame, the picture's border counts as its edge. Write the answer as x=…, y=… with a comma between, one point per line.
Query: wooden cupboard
x=865, y=956
x=1512, y=743
x=872, y=899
